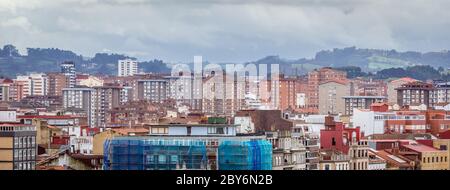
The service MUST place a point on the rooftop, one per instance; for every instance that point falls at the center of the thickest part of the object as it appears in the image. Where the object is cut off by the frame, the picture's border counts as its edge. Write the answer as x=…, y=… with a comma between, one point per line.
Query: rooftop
x=420, y=148
x=365, y=97
x=405, y=79
x=47, y=116
x=126, y=131
x=343, y=82
x=14, y=125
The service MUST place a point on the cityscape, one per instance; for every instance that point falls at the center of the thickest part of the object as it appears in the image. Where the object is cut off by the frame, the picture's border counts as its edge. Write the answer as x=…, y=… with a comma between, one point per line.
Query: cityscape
x=346, y=108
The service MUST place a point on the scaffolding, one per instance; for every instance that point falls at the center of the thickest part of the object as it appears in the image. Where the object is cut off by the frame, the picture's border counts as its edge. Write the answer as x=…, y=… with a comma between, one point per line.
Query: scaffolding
x=154, y=154
x=188, y=153
x=245, y=155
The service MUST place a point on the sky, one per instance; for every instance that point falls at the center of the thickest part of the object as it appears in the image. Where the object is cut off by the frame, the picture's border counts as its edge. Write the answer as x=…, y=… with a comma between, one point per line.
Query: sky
x=224, y=30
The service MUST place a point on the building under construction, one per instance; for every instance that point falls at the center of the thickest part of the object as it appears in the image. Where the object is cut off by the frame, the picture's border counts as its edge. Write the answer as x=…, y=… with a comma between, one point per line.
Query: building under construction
x=187, y=153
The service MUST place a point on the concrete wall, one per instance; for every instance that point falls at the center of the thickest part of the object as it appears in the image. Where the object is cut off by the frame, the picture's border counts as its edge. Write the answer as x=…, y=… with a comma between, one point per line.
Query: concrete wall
x=8, y=116
x=330, y=97
x=6, y=155
x=245, y=125
x=99, y=139
x=367, y=122
x=444, y=144
x=436, y=165
x=199, y=131
x=178, y=131
x=6, y=166
x=6, y=142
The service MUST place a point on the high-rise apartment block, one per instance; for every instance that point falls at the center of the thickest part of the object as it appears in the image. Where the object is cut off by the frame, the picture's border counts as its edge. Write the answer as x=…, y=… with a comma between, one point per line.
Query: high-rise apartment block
x=18, y=146
x=68, y=69
x=104, y=98
x=315, y=78
x=80, y=100
x=127, y=67
x=414, y=93
x=56, y=82
x=153, y=90
x=34, y=84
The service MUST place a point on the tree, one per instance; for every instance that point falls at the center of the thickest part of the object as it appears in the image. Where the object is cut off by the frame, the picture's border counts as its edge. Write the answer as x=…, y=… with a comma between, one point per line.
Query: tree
x=9, y=51
x=352, y=71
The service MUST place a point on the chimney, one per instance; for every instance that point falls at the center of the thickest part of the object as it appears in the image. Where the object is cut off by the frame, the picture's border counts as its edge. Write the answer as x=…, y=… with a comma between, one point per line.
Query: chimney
x=395, y=151
x=329, y=122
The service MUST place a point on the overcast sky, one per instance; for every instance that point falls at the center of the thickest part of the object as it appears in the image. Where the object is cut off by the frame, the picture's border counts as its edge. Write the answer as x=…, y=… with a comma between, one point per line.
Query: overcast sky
x=224, y=30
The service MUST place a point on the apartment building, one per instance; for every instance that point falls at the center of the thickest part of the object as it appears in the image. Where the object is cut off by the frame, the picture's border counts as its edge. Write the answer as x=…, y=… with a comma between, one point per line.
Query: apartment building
x=68, y=70
x=79, y=100
x=360, y=102
x=56, y=82
x=127, y=67
x=153, y=90
x=396, y=83
x=18, y=147
x=103, y=99
x=331, y=95
x=33, y=84
x=315, y=78
x=414, y=93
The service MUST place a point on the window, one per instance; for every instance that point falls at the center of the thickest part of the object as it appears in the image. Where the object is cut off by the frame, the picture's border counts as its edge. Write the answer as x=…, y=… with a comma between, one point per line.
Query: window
x=162, y=159
x=16, y=141
x=160, y=130
x=173, y=159
x=150, y=158
x=333, y=142
x=189, y=130
x=216, y=130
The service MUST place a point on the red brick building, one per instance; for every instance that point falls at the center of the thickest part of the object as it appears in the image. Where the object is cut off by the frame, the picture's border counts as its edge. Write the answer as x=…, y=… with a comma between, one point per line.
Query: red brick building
x=336, y=136
x=317, y=77
x=438, y=121
x=407, y=122
x=290, y=90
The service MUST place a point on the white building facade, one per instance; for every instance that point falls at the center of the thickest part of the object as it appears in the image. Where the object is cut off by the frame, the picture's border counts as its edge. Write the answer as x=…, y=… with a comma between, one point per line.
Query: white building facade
x=127, y=67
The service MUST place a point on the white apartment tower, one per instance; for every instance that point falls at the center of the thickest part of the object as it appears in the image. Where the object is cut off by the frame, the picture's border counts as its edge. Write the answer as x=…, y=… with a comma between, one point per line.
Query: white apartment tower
x=33, y=84
x=68, y=69
x=127, y=67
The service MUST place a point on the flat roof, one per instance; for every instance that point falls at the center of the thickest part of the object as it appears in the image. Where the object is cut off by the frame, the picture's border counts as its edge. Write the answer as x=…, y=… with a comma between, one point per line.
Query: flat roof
x=194, y=125
x=47, y=116
x=421, y=148
x=78, y=88
x=14, y=125
x=379, y=97
x=152, y=80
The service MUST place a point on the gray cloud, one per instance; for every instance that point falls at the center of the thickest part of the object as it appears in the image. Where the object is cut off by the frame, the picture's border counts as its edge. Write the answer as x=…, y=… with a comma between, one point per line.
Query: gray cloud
x=223, y=30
